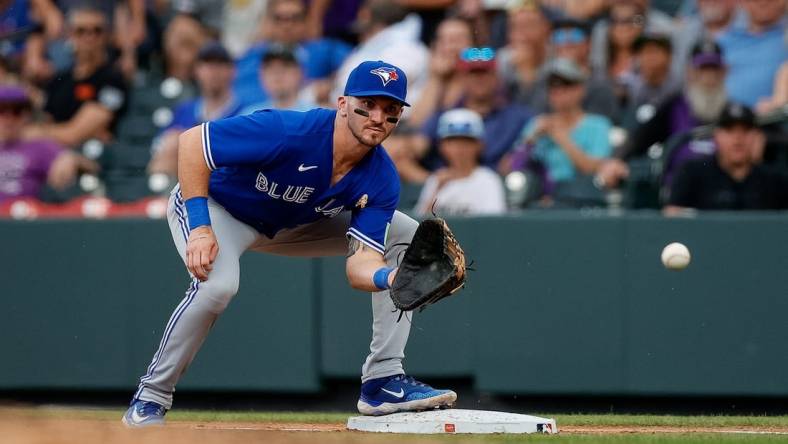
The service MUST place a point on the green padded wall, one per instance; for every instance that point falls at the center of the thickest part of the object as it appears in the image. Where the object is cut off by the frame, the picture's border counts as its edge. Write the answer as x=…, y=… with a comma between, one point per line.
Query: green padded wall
x=560, y=303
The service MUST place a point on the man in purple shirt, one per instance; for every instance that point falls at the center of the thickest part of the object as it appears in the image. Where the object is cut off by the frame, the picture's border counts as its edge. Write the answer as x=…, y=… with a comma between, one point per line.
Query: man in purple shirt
x=701, y=102
x=26, y=165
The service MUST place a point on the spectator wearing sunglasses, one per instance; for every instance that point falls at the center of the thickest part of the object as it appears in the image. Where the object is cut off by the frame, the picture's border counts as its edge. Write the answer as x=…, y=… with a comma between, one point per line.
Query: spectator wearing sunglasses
x=567, y=142
x=26, y=165
x=612, y=37
x=503, y=119
x=86, y=100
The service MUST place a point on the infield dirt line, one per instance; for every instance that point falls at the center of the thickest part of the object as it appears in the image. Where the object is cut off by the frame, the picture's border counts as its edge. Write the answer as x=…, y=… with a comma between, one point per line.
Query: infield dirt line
x=568, y=430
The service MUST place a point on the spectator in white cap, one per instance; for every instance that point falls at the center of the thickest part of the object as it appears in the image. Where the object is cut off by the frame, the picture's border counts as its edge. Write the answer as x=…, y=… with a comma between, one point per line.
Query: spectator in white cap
x=462, y=187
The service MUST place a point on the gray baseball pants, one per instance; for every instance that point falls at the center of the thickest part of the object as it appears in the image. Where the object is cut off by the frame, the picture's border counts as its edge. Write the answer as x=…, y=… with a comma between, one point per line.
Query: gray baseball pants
x=193, y=318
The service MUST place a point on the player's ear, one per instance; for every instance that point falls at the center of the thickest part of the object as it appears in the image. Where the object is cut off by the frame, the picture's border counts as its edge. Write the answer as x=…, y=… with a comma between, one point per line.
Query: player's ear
x=342, y=106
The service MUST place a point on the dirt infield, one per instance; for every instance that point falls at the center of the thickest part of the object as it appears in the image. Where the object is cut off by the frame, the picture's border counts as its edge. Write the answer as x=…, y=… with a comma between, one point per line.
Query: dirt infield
x=31, y=426
x=25, y=429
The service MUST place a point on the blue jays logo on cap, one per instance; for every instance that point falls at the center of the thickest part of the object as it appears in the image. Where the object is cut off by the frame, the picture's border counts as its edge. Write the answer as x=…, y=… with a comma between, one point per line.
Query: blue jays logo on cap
x=386, y=74
x=377, y=78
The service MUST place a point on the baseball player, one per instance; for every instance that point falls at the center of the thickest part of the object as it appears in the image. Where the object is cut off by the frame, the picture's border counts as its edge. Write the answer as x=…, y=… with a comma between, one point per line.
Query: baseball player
x=315, y=183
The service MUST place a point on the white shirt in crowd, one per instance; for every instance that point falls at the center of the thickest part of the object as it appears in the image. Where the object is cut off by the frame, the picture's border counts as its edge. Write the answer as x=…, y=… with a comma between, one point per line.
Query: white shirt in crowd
x=480, y=193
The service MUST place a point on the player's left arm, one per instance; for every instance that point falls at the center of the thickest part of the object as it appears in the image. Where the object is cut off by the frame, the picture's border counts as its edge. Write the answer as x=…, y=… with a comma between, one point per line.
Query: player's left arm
x=362, y=264
x=366, y=266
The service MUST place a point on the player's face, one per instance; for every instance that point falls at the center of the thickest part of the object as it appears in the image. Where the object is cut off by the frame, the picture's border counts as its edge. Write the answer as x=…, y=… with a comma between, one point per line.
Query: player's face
x=373, y=129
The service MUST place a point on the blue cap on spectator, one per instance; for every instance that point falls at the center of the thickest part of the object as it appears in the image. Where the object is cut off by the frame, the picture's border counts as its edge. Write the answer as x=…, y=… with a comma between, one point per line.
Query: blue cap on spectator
x=377, y=78
x=461, y=122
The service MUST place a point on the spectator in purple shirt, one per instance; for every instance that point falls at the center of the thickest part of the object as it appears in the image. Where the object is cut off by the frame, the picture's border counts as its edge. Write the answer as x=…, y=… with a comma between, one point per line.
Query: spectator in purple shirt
x=699, y=103
x=27, y=164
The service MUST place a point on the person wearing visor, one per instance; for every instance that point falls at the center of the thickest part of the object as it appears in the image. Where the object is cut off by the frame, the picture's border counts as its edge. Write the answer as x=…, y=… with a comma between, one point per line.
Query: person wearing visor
x=568, y=142
x=309, y=184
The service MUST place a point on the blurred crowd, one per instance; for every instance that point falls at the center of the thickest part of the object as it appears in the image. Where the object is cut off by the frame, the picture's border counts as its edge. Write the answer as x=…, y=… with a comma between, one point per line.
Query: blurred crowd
x=679, y=105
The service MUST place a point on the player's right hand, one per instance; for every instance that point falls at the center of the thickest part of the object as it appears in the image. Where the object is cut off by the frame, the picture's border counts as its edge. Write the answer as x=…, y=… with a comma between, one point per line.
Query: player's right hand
x=201, y=251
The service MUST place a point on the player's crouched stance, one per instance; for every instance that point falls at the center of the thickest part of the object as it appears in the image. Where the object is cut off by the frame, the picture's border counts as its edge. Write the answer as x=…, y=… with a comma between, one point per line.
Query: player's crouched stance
x=307, y=184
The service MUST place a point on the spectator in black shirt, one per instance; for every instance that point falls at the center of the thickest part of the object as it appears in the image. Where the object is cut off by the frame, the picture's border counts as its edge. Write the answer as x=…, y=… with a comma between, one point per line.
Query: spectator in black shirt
x=86, y=100
x=732, y=179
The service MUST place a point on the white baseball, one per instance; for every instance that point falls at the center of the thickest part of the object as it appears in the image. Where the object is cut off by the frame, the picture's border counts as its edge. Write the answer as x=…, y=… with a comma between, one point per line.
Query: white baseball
x=675, y=256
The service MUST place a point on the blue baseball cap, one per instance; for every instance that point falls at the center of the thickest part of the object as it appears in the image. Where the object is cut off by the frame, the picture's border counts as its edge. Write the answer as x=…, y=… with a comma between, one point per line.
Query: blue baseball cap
x=377, y=78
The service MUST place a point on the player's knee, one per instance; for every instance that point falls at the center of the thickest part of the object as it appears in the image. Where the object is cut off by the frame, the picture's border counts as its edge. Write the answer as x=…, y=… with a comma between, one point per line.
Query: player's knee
x=218, y=293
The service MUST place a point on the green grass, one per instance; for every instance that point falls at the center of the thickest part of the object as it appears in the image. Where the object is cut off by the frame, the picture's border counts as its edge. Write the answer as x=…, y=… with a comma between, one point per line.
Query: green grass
x=324, y=418
x=669, y=420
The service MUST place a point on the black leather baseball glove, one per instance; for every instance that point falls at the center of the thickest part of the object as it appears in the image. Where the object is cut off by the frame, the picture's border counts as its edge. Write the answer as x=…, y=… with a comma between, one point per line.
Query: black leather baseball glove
x=432, y=268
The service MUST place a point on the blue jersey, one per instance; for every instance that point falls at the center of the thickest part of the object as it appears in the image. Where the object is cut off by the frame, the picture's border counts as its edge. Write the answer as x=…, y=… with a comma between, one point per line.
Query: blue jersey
x=272, y=170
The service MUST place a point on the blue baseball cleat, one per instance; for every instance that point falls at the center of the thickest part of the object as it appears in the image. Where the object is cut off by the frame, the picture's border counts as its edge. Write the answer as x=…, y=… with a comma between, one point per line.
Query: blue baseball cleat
x=401, y=393
x=144, y=413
